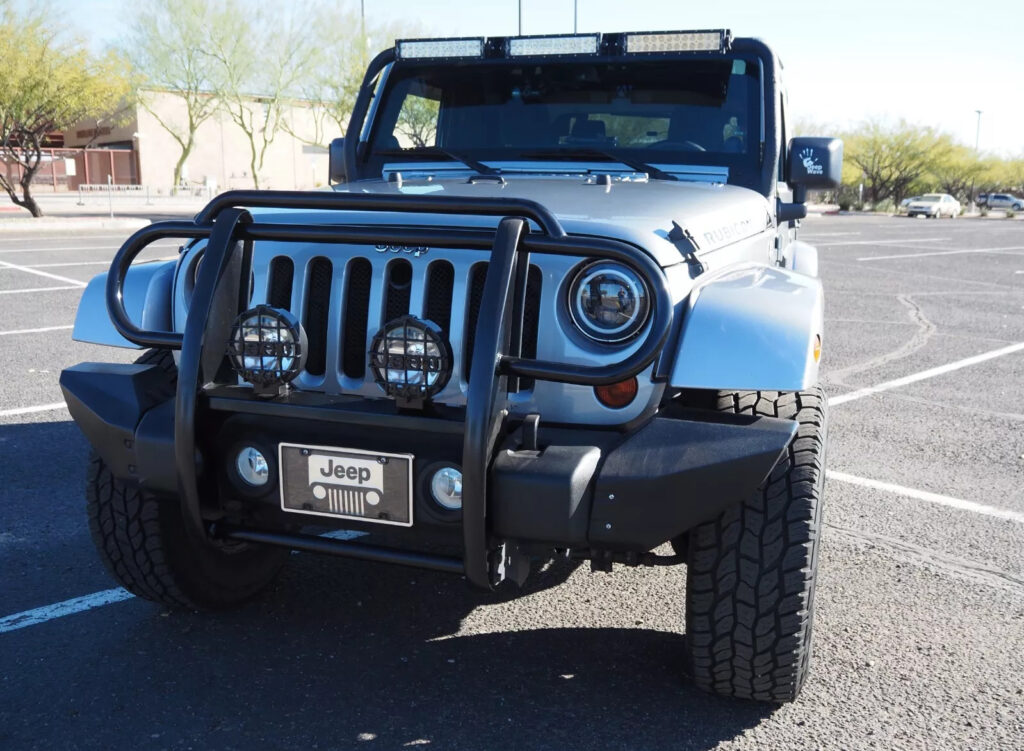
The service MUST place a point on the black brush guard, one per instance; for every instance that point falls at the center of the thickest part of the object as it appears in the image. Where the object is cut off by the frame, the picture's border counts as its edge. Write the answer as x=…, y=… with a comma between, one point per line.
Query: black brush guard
x=219, y=296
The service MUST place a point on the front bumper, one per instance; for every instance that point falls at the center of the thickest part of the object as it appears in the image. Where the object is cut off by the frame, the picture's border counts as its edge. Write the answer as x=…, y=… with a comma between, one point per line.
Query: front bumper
x=573, y=487
x=579, y=488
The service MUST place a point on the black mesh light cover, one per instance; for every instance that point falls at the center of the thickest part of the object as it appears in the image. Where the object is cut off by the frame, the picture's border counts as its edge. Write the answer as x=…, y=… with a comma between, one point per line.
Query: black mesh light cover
x=411, y=378
x=277, y=353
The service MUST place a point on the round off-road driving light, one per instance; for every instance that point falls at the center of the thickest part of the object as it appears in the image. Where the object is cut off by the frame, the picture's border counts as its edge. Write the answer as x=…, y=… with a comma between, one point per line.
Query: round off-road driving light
x=268, y=346
x=608, y=302
x=446, y=487
x=252, y=467
x=411, y=359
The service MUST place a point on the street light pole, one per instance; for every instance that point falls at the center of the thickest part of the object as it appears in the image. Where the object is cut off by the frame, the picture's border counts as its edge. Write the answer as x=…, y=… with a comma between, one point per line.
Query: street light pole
x=520, y=17
x=575, y=14
x=977, y=138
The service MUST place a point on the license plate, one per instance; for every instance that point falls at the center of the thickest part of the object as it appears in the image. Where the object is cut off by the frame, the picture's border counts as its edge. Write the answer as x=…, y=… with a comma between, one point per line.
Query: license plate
x=369, y=486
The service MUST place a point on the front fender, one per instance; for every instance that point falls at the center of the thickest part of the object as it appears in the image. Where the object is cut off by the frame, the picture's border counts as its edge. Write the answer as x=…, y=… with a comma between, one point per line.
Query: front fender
x=752, y=328
x=147, y=299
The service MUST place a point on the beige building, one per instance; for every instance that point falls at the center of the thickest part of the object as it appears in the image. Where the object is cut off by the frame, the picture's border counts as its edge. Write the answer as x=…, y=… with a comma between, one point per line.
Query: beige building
x=220, y=159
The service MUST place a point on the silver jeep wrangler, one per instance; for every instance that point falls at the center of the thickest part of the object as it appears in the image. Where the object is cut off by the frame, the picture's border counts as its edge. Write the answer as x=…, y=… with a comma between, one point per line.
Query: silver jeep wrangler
x=554, y=306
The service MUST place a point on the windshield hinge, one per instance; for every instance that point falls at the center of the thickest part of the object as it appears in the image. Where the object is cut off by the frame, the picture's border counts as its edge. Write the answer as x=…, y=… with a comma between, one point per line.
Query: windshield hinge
x=686, y=244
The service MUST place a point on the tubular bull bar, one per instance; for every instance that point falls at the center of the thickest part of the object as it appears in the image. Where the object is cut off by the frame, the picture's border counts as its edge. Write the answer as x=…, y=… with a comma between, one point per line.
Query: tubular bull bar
x=220, y=295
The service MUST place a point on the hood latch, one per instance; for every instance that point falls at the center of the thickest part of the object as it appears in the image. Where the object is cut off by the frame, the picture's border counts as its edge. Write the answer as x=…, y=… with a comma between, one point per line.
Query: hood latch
x=686, y=244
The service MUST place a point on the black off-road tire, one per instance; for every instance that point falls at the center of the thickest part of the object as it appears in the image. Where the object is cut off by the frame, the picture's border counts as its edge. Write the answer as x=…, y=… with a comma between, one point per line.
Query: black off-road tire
x=751, y=572
x=143, y=542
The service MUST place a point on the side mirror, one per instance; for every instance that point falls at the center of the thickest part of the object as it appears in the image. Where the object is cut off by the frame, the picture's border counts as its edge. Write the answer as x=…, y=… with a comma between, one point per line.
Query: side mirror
x=336, y=161
x=813, y=164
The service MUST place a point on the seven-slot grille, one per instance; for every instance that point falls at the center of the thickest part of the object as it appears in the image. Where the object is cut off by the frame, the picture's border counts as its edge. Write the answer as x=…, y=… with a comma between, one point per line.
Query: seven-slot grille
x=343, y=301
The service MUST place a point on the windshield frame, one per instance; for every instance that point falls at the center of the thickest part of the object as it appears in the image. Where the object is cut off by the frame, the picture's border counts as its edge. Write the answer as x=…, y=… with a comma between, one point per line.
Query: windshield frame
x=392, y=81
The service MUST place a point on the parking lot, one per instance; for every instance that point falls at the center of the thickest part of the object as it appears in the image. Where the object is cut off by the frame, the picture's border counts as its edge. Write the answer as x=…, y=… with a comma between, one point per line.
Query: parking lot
x=919, y=637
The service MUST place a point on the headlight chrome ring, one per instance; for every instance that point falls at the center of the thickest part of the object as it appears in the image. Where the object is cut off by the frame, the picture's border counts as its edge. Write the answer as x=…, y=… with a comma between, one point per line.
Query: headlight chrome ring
x=609, y=302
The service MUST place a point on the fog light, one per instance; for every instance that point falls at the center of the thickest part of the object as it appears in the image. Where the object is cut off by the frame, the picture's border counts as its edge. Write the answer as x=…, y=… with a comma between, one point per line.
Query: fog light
x=411, y=360
x=617, y=395
x=267, y=346
x=252, y=467
x=446, y=487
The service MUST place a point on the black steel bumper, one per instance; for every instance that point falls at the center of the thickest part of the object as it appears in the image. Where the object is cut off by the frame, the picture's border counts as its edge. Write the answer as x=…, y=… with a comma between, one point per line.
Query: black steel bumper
x=580, y=488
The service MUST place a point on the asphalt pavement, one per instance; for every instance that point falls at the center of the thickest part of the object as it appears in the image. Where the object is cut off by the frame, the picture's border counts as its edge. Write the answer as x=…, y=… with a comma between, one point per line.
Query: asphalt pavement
x=919, y=639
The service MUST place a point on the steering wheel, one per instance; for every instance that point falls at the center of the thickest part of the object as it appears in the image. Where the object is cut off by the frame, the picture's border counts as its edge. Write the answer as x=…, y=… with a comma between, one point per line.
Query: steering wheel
x=677, y=146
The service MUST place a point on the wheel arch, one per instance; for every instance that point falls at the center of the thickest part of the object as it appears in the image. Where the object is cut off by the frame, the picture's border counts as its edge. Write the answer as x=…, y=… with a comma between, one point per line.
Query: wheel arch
x=752, y=328
x=148, y=294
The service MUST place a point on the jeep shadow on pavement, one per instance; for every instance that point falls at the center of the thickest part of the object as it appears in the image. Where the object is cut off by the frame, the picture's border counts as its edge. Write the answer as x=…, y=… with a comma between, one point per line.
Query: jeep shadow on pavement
x=606, y=340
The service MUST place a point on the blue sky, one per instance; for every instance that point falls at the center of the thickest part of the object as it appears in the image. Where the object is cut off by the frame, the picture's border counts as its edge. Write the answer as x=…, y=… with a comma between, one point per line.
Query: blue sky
x=932, y=62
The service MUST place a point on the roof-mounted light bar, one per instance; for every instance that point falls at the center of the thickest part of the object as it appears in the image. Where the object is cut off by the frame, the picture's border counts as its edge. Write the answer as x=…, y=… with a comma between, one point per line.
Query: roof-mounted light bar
x=660, y=42
x=432, y=49
x=553, y=45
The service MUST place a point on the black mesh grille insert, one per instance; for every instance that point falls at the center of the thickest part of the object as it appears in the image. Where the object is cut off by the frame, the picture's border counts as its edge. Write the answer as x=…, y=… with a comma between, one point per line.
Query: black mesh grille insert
x=357, y=310
x=280, y=289
x=438, y=306
x=531, y=320
x=318, y=301
x=398, y=290
x=475, y=297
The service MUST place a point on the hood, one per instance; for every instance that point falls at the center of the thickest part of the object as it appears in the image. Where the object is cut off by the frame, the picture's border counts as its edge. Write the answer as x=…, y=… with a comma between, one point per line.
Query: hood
x=638, y=212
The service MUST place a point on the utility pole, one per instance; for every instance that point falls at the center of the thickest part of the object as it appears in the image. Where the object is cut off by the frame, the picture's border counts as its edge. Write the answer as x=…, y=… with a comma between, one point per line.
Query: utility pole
x=977, y=139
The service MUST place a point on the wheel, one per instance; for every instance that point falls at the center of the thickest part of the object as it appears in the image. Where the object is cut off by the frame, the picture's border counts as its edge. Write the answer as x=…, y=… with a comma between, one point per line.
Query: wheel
x=143, y=541
x=751, y=572
x=1018, y=206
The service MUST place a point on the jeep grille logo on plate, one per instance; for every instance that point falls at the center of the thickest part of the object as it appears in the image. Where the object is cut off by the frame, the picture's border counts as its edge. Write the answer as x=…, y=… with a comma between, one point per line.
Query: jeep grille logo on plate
x=414, y=250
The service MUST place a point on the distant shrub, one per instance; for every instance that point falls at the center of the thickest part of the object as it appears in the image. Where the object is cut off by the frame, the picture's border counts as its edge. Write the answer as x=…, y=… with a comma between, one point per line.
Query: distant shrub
x=1010, y=213
x=984, y=211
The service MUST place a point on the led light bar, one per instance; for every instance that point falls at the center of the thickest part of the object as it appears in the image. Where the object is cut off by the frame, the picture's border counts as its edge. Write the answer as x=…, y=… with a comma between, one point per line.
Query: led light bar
x=422, y=49
x=543, y=46
x=653, y=43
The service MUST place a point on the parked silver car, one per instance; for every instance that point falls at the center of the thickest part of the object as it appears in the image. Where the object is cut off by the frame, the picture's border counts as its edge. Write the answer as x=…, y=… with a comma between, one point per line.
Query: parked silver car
x=1004, y=201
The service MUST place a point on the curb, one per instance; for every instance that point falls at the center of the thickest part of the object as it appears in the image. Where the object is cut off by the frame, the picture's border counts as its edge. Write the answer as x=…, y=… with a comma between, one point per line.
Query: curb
x=54, y=223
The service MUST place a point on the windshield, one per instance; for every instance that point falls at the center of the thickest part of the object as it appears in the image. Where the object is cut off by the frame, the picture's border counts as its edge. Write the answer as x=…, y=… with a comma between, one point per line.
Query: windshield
x=679, y=112
x=931, y=198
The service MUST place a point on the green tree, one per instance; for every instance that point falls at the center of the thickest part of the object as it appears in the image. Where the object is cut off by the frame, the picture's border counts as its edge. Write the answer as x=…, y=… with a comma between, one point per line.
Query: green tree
x=46, y=85
x=344, y=45
x=260, y=69
x=167, y=45
x=892, y=159
x=956, y=169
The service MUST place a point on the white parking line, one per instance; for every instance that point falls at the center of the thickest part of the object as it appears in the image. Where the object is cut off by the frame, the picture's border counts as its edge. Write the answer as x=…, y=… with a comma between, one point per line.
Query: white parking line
x=37, y=272
x=89, y=263
x=924, y=495
x=107, y=597
x=36, y=331
x=930, y=373
x=59, y=610
x=31, y=410
x=941, y=253
x=112, y=248
x=36, y=289
x=899, y=241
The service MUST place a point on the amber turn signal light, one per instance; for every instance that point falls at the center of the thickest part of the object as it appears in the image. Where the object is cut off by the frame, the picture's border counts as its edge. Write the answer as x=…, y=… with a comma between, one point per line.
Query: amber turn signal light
x=617, y=395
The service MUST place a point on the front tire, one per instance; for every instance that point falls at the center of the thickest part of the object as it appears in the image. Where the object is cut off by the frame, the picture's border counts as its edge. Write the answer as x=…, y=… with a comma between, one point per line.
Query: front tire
x=143, y=541
x=751, y=572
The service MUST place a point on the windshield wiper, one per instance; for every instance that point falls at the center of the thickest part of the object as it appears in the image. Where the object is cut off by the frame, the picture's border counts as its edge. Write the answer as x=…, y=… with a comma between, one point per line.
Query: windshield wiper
x=614, y=156
x=455, y=156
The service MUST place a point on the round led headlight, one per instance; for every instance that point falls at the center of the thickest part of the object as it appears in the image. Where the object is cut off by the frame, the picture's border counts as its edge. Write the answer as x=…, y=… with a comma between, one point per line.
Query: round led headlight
x=268, y=346
x=609, y=302
x=411, y=359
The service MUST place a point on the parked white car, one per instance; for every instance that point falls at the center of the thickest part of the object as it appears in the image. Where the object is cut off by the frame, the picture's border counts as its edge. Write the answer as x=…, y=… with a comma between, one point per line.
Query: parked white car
x=934, y=205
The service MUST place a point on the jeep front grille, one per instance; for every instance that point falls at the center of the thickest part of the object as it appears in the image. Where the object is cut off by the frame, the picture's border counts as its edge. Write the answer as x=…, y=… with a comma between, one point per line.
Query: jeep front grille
x=342, y=302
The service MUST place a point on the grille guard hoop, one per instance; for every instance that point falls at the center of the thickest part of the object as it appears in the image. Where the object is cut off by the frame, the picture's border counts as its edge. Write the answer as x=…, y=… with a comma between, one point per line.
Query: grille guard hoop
x=230, y=230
